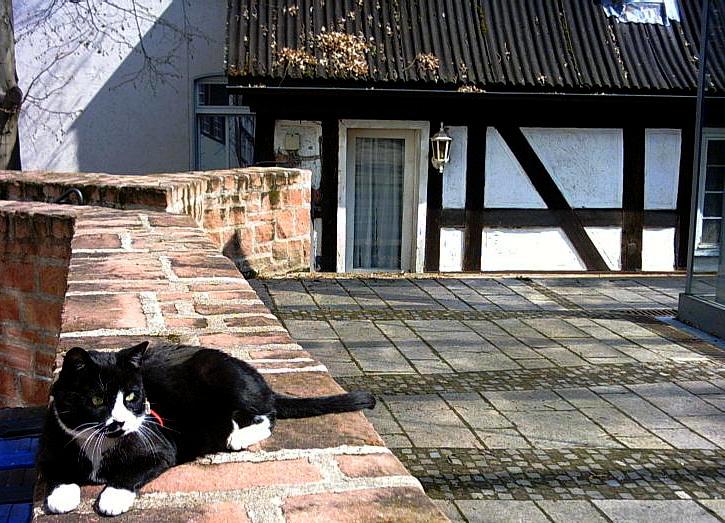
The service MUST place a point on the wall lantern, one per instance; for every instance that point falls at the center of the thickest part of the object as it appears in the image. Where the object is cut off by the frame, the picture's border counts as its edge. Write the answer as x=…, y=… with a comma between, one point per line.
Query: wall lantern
x=440, y=144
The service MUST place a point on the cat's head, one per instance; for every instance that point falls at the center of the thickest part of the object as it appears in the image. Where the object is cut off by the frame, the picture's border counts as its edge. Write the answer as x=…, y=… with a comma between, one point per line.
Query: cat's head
x=101, y=392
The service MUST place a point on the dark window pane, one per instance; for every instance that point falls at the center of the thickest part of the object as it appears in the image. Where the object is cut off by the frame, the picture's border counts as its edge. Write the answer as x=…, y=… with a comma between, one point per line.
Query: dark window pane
x=714, y=179
x=213, y=94
x=711, y=231
x=716, y=152
x=713, y=205
x=242, y=141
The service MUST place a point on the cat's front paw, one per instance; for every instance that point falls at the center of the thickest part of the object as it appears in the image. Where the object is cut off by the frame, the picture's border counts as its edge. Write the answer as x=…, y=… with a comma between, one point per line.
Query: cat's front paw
x=64, y=498
x=115, y=501
x=245, y=437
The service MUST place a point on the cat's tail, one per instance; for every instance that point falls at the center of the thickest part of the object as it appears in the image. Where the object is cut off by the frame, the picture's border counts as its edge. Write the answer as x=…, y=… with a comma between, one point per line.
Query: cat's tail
x=291, y=407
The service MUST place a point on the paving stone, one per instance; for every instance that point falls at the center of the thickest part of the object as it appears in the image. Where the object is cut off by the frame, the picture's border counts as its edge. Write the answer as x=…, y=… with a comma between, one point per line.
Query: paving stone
x=561, y=356
x=716, y=505
x=450, y=510
x=614, y=422
x=431, y=366
x=555, y=328
x=351, y=331
x=674, y=400
x=483, y=361
x=502, y=438
x=711, y=427
x=495, y=511
x=683, y=439
x=529, y=400
x=700, y=387
x=654, y=511
x=642, y=411
x=429, y=422
x=310, y=330
x=560, y=429
x=478, y=415
x=643, y=442
x=571, y=511
x=717, y=400
x=581, y=398
x=380, y=359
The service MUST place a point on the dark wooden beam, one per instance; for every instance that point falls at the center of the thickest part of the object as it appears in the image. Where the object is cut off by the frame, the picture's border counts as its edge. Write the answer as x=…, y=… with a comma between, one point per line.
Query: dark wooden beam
x=633, y=198
x=684, y=195
x=328, y=190
x=475, y=185
x=433, y=214
x=553, y=197
x=528, y=218
x=264, y=139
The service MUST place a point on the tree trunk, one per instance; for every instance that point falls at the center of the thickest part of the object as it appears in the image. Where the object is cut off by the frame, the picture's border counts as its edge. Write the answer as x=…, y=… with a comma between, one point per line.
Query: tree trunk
x=10, y=94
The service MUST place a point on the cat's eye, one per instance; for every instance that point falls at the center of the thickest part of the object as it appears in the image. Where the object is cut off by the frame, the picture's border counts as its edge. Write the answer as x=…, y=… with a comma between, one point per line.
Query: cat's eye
x=130, y=396
x=97, y=401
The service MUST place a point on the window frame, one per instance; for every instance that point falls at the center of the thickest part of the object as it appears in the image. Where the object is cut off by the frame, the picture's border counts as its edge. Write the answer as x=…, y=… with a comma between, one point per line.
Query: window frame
x=706, y=249
x=213, y=110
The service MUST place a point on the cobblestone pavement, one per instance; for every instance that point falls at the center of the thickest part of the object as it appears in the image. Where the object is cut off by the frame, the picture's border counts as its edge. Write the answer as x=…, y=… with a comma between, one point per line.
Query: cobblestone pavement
x=529, y=399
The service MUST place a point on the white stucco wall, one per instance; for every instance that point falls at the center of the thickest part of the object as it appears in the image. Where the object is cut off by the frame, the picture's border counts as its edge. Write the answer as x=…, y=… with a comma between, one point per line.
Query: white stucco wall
x=661, y=168
x=507, y=185
x=93, y=116
x=586, y=164
x=454, y=175
x=608, y=241
x=658, y=249
x=534, y=249
x=451, y=250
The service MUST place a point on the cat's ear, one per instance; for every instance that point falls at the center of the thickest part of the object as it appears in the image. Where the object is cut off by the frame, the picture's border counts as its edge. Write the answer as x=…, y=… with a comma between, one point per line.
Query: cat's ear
x=76, y=360
x=134, y=355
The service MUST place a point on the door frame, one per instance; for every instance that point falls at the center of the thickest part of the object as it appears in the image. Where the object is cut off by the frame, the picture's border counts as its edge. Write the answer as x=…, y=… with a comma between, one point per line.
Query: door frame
x=416, y=201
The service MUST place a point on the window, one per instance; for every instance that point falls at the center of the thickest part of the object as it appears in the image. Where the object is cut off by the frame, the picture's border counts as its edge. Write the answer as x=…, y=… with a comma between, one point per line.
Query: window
x=224, y=127
x=643, y=11
x=710, y=204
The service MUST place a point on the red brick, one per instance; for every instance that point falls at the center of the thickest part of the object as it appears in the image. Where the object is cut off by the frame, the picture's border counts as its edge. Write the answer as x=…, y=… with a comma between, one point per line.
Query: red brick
x=285, y=224
x=231, y=308
x=401, y=505
x=252, y=321
x=18, y=276
x=195, y=323
x=8, y=388
x=96, y=241
x=230, y=476
x=42, y=313
x=34, y=391
x=371, y=466
x=18, y=358
x=113, y=311
x=264, y=233
x=44, y=364
x=9, y=309
x=218, y=513
x=53, y=280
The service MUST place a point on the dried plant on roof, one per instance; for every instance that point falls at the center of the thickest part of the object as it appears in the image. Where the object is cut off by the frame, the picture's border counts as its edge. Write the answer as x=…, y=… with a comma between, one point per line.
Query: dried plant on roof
x=296, y=60
x=343, y=55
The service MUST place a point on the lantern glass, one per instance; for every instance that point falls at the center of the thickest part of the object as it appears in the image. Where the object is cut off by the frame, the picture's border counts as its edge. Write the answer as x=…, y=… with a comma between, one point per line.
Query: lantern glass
x=441, y=149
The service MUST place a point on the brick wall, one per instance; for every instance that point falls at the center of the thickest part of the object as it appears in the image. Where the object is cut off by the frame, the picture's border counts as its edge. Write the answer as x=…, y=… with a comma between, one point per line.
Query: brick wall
x=258, y=217
x=35, y=249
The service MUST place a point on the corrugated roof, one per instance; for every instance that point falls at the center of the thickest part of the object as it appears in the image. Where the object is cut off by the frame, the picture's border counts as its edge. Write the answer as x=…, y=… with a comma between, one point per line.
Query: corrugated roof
x=525, y=45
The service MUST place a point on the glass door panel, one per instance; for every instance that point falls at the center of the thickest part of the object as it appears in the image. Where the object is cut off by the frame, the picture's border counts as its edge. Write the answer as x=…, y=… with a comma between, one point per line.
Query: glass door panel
x=379, y=165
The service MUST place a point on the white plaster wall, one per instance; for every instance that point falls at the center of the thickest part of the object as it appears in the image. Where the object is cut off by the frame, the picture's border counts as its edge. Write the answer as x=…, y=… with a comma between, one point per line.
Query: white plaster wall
x=507, y=185
x=535, y=249
x=586, y=164
x=451, y=250
x=454, y=175
x=658, y=249
x=662, y=149
x=608, y=241
x=310, y=133
x=91, y=116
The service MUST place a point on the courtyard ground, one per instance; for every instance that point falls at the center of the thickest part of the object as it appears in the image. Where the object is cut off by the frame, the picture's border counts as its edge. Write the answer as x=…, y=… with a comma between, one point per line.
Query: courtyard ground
x=529, y=399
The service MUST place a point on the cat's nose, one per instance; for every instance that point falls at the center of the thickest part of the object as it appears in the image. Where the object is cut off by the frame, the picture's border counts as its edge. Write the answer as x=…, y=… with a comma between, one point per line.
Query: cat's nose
x=115, y=426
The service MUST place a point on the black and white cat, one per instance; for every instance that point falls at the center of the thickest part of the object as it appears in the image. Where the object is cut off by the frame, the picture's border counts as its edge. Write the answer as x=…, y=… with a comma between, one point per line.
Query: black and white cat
x=121, y=419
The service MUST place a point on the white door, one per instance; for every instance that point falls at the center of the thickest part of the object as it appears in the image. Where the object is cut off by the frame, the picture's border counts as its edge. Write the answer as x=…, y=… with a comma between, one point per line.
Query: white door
x=381, y=182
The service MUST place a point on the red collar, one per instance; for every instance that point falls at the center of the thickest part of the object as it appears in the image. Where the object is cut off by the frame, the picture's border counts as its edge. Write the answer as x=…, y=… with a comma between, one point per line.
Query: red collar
x=159, y=419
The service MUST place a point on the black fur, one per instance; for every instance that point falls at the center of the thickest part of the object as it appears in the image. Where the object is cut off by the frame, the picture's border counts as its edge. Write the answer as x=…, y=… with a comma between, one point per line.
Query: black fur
x=196, y=391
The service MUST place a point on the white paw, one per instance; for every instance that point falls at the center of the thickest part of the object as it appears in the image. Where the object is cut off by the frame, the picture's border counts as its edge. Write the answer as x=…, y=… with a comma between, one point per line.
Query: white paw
x=115, y=501
x=247, y=436
x=64, y=498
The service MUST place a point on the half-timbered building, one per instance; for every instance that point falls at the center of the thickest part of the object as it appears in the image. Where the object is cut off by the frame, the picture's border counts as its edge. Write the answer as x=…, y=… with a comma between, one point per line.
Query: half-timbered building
x=572, y=124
